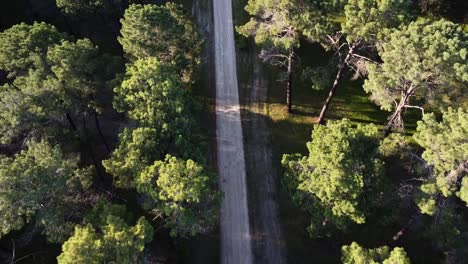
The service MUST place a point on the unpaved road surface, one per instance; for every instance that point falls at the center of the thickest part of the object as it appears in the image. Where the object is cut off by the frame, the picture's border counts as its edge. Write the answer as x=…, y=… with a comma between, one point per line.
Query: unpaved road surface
x=235, y=231
x=268, y=243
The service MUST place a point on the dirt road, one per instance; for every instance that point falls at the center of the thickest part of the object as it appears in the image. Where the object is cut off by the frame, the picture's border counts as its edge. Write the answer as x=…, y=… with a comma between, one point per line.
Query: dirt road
x=234, y=222
x=268, y=243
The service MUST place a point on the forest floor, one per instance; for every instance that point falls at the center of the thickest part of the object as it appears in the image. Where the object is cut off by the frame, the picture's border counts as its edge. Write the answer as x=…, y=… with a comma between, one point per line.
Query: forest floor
x=292, y=130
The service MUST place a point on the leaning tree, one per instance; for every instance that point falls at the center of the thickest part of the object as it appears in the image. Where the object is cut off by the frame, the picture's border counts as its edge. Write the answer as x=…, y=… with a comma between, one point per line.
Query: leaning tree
x=424, y=64
x=354, y=37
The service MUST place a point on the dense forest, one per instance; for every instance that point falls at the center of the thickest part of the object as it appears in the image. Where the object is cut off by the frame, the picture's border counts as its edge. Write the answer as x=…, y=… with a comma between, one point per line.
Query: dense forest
x=353, y=118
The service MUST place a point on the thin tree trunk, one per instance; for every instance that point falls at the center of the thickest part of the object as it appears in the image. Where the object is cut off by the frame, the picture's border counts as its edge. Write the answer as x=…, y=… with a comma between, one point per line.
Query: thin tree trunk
x=98, y=127
x=13, y=252
x=90, y=147
x=85, y=141
x=415, y=218
x=339, y=74
x=71, y=122
x=290, y=81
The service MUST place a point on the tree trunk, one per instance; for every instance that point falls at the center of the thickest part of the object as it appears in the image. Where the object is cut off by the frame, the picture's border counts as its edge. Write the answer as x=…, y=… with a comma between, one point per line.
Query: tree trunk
x=98, y=127
x=90, y=147
x=396, y=115
x=70, y=121
x=290, y=81
x=414, y=218
x=339, y=74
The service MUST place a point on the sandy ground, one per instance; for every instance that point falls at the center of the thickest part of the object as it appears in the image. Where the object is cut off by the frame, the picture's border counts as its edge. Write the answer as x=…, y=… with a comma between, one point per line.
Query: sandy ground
x=235, y=230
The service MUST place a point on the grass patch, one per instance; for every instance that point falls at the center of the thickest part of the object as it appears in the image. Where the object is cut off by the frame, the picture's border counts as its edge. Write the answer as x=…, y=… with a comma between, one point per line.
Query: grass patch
x=292, y=130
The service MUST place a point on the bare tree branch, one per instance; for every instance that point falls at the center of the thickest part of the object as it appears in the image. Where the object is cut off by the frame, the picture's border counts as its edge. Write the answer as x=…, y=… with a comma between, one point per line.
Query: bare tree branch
x=414, y=106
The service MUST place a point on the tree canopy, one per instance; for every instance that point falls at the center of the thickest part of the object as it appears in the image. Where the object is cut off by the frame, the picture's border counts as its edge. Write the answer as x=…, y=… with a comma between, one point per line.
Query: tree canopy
x=355, y=254
x=165, y=32
x=42, y=187
x=107, y=236
x=153, y=96
x=22, y=46
x=102, y=151
x=368, y=19
x=336, y=181
x=275, y=23
x=53, y=79
x=185, y=191
x=449, y=232
x=81, y=6
x=431, y=68
x=446, y=151
x=161, y=156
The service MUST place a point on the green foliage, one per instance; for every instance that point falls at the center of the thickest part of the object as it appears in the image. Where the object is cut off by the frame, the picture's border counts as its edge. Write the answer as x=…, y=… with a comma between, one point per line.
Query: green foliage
x=424, y=61
x=463, y=193
x=152, y=94
x=274, y=22
x=449, y=232
x=74, y=7
x=137, y=149
x=107, y=237
x=436, y=8
x=79, y=72
x=394, y=145
x=355, y=254
x=164, y=32
x=183, y=191
x=100, y=213
x=426, y=199
x=41, y=186
x=83, y=247
x=320, y=77
x=367, y=19
x=341, y=178
x=53, y=77
x=355, y=20
x=446, y=150
x=21, y=46
x=164, y=47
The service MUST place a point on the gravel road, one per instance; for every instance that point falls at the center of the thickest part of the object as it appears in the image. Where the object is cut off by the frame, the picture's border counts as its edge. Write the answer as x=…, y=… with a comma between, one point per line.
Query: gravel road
x=235, y=231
